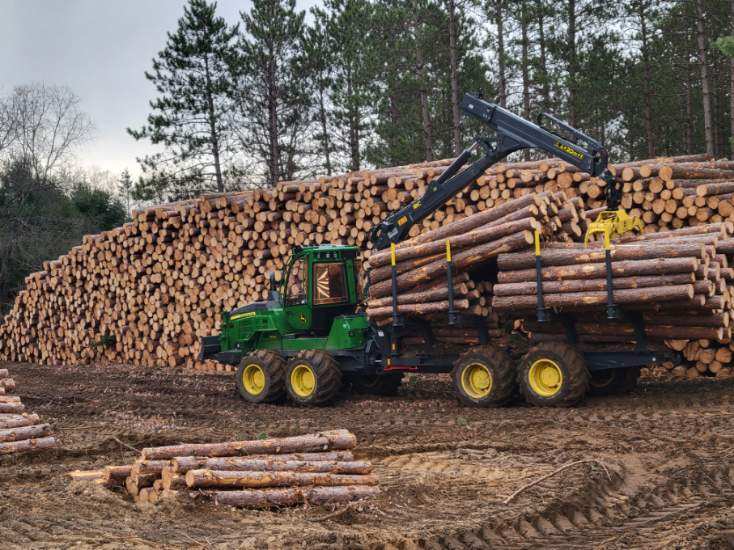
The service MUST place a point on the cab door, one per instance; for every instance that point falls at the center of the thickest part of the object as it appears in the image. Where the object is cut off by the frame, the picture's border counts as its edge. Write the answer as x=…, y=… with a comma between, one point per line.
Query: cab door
x=296, y=308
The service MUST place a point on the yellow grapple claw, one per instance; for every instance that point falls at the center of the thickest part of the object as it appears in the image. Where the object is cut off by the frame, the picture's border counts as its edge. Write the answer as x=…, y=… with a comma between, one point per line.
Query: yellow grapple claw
x=612, y=223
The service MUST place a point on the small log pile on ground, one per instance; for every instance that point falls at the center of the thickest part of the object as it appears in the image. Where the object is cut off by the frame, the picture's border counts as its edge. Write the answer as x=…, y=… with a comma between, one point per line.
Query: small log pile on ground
x=145, y=293
x=317, y=468
x=20, y=432
x=679, y=281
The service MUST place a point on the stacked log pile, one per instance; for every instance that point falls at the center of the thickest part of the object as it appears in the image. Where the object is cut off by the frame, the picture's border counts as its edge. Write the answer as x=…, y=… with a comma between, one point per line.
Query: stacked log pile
x=678, y=280
x=20, y=432
x=316, y=469
x=144, y=293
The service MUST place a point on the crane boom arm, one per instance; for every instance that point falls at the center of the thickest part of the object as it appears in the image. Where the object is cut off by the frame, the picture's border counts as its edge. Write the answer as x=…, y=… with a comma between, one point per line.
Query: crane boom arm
x=512, y=133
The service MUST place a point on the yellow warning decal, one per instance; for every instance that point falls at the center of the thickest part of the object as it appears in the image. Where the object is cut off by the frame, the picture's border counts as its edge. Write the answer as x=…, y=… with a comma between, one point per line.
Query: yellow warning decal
x=569, y=150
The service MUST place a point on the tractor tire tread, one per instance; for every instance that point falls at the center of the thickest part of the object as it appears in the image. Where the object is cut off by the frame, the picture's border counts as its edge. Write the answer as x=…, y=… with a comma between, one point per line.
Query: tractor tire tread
x=328, y=376
x=575, y=370
x=275, y=366
x=503, y=379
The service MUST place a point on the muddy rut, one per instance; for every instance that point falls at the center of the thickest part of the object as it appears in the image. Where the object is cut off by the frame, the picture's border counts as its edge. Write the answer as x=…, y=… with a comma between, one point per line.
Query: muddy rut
x=662, y=474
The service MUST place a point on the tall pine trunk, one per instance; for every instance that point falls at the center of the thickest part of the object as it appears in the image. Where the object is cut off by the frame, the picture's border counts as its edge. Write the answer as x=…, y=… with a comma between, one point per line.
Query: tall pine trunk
x=273, y=137
x=689, y=109
x=499, y=22
x=647, y=82
x=543, y=60
x=354, y=154
x=454, y=77
x=524, y=66
x=705, y=83
x=423, y=97
x=572, y=61
x=213, y=134
x=731, y=84
x=325, y=141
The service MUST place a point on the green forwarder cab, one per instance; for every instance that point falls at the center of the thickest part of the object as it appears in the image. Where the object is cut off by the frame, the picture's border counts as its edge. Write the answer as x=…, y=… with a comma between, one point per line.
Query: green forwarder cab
x=307, y=337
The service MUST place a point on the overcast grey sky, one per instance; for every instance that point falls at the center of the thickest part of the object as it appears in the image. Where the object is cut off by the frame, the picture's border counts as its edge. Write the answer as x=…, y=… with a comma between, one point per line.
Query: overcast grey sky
x=99, y=49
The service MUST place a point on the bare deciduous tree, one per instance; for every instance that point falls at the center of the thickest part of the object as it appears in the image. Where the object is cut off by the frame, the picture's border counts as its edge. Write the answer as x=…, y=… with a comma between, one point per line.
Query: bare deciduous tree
x=47, y=126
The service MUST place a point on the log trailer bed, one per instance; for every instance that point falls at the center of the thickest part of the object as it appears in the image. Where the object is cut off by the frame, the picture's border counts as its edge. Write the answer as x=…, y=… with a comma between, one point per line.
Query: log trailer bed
x=309, y=338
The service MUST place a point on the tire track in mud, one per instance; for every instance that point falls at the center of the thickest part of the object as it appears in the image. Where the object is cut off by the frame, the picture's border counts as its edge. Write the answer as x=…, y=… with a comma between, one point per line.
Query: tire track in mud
x=604, y=514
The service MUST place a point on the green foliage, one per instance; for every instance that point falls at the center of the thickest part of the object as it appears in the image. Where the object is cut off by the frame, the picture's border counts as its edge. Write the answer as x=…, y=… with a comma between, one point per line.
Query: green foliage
x=725, y=45
x=39, y=222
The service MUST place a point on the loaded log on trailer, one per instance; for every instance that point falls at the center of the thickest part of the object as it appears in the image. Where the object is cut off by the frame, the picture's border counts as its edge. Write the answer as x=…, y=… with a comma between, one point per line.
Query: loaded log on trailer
x=309, y=337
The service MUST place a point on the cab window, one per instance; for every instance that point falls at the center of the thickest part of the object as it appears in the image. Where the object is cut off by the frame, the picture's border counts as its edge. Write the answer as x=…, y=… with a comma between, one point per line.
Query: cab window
x=329, y=284
x=296, y=292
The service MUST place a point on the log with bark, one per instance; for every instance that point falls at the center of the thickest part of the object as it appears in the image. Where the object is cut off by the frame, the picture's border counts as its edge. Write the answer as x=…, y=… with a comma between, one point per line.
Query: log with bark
x=320, y=460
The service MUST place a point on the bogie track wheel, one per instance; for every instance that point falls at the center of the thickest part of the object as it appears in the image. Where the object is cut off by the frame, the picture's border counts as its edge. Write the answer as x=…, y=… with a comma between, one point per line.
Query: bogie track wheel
x=614, y=381
x=261, y=377
x=553, y=374
x=484, y=376
x=313, y=378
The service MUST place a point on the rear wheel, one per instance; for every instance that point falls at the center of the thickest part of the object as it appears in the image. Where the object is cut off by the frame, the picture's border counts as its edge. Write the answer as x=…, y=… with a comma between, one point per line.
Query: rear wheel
x=614, y=381
x=553, y=375
x=484, y=376
x=377, y=384
x=261, y=377
x=313, y=378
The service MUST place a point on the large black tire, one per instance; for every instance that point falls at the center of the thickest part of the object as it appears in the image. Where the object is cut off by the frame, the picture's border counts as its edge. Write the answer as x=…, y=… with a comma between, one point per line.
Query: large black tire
x=614, y=381
x=313, y=378
x=377, y=384
x=553, y=374
x=261, y=377
x=484, y=376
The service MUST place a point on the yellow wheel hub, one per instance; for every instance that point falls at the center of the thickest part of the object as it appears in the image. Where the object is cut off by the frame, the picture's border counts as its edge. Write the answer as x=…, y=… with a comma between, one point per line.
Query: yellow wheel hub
x=303, y=380
x=253, y=379
x=476, y=380
x=545, y=377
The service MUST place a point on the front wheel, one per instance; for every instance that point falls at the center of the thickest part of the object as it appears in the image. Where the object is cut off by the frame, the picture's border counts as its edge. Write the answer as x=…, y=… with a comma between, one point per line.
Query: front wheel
x=484, y=376
x=553, y=375
x=261, y=377
x=313, y=378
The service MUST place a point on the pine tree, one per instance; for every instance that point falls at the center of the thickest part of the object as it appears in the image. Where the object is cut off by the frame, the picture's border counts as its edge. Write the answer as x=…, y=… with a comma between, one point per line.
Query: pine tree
x=319, y=58
x=124, y=189
x=190, y=117
x=273, y=103
x=350, y=27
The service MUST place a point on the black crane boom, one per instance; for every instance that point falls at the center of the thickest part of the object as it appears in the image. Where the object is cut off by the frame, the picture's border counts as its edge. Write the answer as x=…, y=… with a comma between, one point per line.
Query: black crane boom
x=511, y=133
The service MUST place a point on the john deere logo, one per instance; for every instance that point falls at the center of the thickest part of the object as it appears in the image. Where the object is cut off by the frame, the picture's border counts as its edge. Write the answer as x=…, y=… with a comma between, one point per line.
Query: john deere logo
x=569, y=150
x=302, y=318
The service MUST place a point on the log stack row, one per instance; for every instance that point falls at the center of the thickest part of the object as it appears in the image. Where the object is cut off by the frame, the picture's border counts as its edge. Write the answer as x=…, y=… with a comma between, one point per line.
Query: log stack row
x=144, y=293
x=316, y=469
x=20, y=432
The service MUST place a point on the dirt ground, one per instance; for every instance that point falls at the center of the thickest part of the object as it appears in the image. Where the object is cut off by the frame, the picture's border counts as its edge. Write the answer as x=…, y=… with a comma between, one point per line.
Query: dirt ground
x=664, y=476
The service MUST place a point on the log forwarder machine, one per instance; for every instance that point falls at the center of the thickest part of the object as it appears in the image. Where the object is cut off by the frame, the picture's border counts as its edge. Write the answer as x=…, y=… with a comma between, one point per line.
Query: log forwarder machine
x=310, y=338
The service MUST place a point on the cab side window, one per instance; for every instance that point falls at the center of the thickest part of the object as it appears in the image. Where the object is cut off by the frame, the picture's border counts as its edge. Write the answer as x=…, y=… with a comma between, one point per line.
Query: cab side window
x=297, y=284
x=329, y=284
